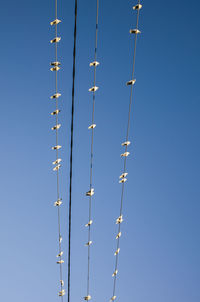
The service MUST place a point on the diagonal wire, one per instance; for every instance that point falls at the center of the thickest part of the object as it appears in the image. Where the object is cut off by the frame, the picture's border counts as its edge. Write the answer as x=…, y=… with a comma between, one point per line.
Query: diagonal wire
x=71, y=150
x=125, y=158
x=92, y=144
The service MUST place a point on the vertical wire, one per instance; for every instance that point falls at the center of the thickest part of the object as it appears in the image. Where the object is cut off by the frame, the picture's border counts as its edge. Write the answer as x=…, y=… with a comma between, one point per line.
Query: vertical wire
x=92, y=145
x=71, y=150
x=57, y=171
x=125, y=158
x=58, y=193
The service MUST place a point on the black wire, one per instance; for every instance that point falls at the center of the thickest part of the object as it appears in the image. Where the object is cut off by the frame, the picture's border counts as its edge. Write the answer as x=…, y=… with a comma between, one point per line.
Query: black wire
x=71, y=151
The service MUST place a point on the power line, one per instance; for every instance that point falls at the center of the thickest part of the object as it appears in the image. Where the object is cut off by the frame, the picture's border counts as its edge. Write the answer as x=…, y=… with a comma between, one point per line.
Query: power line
x=90, y=193
x=125, y=144
x=55, y=68
x=71, y=149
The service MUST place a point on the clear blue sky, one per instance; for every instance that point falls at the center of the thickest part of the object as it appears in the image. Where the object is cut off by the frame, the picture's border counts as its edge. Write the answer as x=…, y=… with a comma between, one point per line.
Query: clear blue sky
x=159, y=259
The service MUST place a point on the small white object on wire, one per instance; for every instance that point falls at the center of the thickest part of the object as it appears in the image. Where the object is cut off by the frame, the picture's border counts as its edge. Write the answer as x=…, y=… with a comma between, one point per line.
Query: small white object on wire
x=90, y=193
x=87, y=298
x=57, y=204
x=137, y=7
x=135, y=31
x=57, y=161
x=61, y=293
x=126, y=144
x=93, y=89
x=123, y=175
x=88, y=243
x=89, y=223
x=123, y=180
x=56, y=127
x=117, y=252
x=119, y=220
x=55, y=22
x=56, y=63
x=132, y=82
x=56, y=147
x=95, y=63
x=119, y=235
x=125, y=154
x=92, y=126
x=55, y=40
x=60, y=262
x=56, y=168
x=115, y=273
x=55, y=68
x=55, y=112
x=56, y=95
x=59, y=255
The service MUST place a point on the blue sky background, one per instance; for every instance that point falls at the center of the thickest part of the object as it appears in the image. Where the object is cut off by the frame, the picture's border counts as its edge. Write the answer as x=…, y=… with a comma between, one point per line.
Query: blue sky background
x=159, y=259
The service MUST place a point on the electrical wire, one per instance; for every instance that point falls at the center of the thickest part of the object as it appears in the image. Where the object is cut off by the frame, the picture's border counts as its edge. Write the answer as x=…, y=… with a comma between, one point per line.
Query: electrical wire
x=92, y=127
x=71, y=149
x=125, y=154
x=55, y=69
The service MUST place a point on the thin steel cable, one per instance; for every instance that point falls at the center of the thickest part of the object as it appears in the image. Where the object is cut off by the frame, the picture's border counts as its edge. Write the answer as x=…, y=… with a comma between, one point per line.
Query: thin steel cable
x=125, y=158
x=92, y=145
x=71, y=149
x=57, y=157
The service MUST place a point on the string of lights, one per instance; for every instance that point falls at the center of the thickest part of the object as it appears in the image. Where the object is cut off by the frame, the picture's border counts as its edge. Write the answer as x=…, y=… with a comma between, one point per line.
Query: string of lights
x=125, y=154
x=55, y=67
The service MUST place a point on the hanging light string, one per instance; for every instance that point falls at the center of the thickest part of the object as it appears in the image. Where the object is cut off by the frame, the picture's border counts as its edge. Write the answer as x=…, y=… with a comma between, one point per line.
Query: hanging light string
x=55, y=68
x=123, y=176
x=90, y=193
